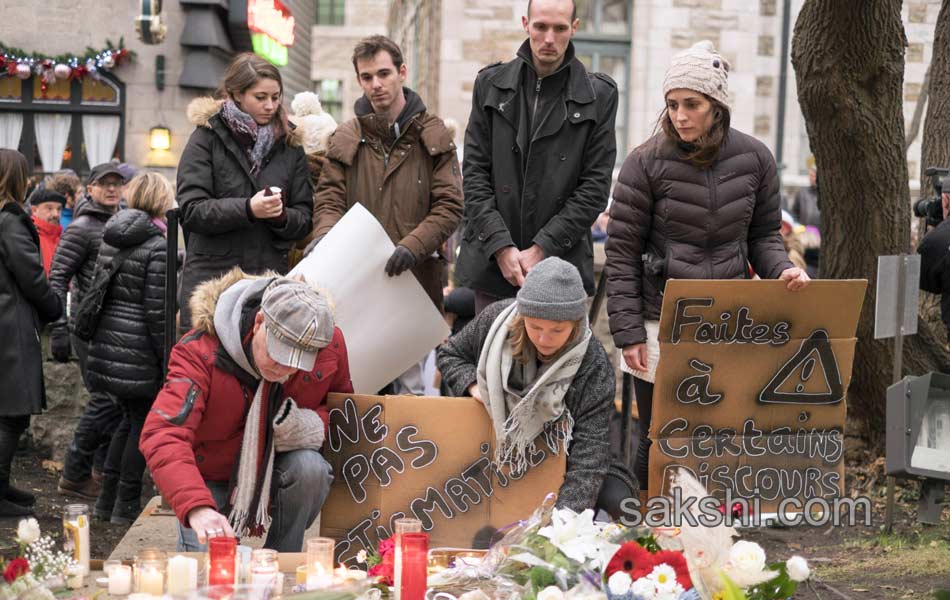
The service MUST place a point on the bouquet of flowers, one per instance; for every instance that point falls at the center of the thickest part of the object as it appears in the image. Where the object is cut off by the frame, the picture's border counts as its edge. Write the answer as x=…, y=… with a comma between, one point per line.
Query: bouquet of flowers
x=38, y=569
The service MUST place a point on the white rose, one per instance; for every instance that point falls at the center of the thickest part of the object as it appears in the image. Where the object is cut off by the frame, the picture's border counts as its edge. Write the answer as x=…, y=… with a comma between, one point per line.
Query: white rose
x=619, y=583
x=797, y=568
x=28, y=531
x=644, y=588
x=747, y=557
x=552, y=592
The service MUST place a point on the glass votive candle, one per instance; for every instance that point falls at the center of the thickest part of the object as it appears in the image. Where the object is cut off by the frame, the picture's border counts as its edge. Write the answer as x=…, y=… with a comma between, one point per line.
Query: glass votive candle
x=74, y=577
x=120, y=580
x=264, y=569
x=401, y=527
x=242, y=573
x=320, y=555
x=182, y=574
x=149, y=572
x=108, y=565
x=415, y=559
x=301, y=575
x=221, y=565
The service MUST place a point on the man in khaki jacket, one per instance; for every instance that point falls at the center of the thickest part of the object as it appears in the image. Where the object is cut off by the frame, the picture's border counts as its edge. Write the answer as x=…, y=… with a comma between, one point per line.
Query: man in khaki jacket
x=399, y=161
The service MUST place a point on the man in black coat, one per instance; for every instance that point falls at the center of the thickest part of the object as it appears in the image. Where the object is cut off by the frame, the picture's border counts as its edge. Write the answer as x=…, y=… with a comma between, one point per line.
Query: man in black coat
x=75, y=261
x=540, y=149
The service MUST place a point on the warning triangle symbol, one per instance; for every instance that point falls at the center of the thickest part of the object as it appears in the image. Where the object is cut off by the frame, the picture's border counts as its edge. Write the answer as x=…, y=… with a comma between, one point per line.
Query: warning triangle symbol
x=793, y=383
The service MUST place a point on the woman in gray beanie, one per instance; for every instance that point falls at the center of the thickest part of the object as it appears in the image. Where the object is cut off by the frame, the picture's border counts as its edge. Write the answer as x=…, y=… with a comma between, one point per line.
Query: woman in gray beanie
x=698, y=200
x=538, y=370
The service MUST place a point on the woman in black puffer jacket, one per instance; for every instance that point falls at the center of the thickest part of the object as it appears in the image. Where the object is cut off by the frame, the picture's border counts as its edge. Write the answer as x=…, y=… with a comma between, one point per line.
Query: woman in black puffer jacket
x=126, y=351
x=698, y=200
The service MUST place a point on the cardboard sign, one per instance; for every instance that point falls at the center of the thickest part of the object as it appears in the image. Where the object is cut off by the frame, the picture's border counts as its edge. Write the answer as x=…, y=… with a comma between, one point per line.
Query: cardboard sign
x=426, y=458
x=751, y=385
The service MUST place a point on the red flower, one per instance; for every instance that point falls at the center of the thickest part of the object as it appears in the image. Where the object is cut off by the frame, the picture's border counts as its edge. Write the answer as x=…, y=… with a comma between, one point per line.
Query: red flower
x=632, y=558
x=16, y=568
x=386, y=568
x=387, y=546
x=677, y=561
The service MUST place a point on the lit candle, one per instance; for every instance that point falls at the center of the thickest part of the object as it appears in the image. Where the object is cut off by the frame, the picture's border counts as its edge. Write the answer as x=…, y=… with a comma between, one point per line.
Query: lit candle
x=151, y=581
x=221, y=553
x=401, y=526
x=182, y=574
x=74, y=577
x=318, y=578
x=415, y=549
x=120, y=580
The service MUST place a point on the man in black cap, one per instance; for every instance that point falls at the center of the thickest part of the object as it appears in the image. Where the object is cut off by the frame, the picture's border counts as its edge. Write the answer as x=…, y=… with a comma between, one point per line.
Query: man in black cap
x=75, y=261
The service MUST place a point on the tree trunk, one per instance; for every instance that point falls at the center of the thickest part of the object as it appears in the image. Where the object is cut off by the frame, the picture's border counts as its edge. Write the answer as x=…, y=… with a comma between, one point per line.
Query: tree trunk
x=849, y=66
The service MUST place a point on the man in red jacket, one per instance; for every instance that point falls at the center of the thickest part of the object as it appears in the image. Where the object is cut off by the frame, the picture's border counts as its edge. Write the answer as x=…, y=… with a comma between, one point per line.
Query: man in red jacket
x=46, y=206
x=238, y=426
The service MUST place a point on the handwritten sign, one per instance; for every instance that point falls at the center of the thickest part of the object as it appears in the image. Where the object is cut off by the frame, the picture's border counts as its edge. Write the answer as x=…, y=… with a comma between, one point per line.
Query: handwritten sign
x=426, y=458
x=751, y=386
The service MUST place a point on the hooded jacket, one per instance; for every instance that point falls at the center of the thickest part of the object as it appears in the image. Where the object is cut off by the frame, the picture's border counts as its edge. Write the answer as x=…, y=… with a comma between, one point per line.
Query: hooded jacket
x=76, y=256
x=26, y=303
x=127, y=349
x=215, y=186
x=194, y=431
x=538, y=165
x=411, y=185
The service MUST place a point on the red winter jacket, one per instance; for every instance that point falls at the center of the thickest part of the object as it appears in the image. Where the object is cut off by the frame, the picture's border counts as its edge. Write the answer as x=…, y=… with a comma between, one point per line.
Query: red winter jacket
x=183, y=448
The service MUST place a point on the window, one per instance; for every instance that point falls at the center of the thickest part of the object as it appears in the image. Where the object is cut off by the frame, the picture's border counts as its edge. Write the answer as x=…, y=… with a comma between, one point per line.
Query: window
x=70, y=124
x=331, y=97
x=602, y=43
x=329, y=12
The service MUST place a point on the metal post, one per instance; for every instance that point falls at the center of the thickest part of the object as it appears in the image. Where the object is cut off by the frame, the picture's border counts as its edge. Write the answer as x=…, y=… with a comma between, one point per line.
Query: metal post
x=898, y=367
x=626, y=407
x=782, y=87
x=171, y=284
x=599, y=294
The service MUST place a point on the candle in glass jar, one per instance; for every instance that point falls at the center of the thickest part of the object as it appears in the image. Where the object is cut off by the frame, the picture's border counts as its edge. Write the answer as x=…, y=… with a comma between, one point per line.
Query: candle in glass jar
x=151, y=581
x=415, y=560
x=120, y=580
x=264, y=568
x=221, y=553
x=74, y=577
x=76, y=533
x=401, y=526
x=318, y=579
x=182, y=574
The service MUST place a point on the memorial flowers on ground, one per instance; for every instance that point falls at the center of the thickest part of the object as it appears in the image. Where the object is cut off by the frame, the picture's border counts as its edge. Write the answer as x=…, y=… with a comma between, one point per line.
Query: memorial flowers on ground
x=38, y=569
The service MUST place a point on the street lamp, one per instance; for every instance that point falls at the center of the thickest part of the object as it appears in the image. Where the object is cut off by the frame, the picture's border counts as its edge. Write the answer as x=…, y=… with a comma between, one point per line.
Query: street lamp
x=160, y=138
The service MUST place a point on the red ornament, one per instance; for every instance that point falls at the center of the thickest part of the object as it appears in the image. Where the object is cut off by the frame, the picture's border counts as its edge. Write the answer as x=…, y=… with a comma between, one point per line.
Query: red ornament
x=15, y=568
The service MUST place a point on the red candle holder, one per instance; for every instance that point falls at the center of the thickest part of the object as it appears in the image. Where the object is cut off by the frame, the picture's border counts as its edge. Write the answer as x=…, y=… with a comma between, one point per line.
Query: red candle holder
x=415, y=560
x=221, y=553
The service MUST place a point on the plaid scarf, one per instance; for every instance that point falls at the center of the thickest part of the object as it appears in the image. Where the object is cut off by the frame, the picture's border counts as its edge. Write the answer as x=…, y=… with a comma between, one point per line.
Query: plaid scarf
x=257, y=140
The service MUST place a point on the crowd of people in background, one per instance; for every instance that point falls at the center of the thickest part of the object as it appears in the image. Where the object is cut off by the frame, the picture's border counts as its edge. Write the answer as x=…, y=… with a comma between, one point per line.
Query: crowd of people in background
x=258, y=189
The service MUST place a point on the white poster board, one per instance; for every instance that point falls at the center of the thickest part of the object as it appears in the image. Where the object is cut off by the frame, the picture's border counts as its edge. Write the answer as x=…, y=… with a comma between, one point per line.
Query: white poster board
x=389, y=323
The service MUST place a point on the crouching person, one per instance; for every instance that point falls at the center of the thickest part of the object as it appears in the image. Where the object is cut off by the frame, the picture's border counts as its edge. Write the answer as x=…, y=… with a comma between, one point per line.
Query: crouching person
x=233, y=438
x=538, y=370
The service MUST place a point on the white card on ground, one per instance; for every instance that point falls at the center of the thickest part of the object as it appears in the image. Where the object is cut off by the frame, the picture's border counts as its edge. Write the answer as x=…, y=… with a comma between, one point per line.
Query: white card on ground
x=389, y=323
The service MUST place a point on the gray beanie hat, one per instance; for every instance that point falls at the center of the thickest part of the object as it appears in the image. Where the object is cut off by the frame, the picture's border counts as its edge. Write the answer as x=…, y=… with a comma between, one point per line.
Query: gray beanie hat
x=700, y=69
x=553, y=290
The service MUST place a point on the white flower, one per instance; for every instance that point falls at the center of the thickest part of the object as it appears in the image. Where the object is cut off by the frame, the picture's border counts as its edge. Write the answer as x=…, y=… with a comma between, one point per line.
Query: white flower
x=619, y=583
x=576, y=535
x=747, y=557
x=28, y=531
x=361, y=556
x=644, y=588
x=797, y=568
x=552, y=592
x=664, y=577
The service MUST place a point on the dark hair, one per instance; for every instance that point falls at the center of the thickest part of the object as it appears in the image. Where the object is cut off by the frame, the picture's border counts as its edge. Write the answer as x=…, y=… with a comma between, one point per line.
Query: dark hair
x=14, y=173
x=244, y=71
x=573, y=10
x=65, y=182
x=369, y=47
x=703, y=152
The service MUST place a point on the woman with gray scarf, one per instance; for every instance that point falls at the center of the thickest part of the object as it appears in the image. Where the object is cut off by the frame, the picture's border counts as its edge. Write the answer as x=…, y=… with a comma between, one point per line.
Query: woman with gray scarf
x=243, y=180
x=539, y=372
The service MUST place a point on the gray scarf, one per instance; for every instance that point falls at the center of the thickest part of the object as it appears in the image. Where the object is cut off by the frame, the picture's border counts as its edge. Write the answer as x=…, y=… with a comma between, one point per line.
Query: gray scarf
x=519, y=417
x=257, y=140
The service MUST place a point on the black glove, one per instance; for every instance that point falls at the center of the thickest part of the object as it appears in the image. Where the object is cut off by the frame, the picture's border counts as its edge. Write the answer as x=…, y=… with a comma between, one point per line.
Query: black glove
x=401, y=260
x=59, y=347
x=312, y=245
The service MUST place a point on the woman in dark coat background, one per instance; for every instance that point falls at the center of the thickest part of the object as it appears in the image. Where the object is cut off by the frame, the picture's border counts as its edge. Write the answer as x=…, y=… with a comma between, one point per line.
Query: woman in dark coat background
x=26, y=303
x=127, y=348
x=698, y=200
x=241, y=149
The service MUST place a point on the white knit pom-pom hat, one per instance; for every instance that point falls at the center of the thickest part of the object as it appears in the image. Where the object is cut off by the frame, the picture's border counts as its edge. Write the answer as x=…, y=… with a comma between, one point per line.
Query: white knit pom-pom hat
x=701, y=69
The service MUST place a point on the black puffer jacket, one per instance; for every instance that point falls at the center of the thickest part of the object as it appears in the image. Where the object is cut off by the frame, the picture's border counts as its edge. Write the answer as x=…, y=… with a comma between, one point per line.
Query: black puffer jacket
x=671, y=220
x=26, y=302
x=76, y=256
x=215, y=186
x=125, y=353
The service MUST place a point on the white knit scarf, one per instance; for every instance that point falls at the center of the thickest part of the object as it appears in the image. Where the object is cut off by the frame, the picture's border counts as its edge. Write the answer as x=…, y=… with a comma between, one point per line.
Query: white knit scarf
x=243, y=496
x=519, y=417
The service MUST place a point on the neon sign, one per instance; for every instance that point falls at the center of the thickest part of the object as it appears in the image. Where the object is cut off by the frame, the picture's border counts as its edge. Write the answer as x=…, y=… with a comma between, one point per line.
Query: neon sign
x=271, y=18
x=268, y=48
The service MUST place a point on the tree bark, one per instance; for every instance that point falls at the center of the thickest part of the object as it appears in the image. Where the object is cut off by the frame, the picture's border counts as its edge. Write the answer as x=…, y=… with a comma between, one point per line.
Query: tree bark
x=849, y=66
